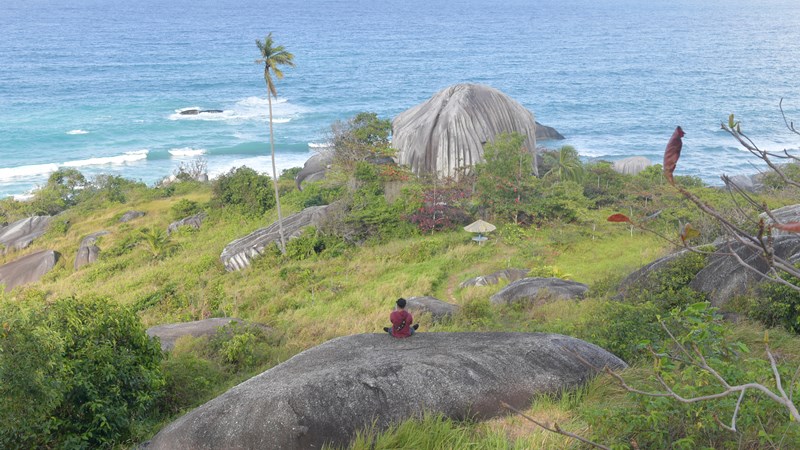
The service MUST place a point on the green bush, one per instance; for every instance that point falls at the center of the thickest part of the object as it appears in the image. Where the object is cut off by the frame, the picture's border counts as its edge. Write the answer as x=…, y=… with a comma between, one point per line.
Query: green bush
x=184, y=208
x=246, y=189
x=189, y=381
x=668, y=287
x=777, y=305
x=74, y=374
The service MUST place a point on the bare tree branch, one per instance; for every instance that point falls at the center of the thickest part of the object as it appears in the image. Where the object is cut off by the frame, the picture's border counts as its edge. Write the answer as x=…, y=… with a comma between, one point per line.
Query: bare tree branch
x=555, y=428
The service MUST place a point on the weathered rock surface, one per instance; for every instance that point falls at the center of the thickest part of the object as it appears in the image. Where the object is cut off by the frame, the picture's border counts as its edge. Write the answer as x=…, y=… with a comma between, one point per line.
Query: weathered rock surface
x=724, y=277
x=545, y=133
x=326, y=394
x=19, y=235
x=27, y=269
x=130, y=215
x=640, y=275
x=494, y=278
x=88, y=251
x=237, y=254
x=531, y=289
x=787, y=214
x=194, y=221
x=632, y=165
x=437, y=308
x=313, y=170
x=170, y=333
x=448, y=131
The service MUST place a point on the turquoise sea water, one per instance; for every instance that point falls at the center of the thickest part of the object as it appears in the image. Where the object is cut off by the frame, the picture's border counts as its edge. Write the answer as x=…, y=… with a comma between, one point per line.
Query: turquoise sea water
x=95, y=84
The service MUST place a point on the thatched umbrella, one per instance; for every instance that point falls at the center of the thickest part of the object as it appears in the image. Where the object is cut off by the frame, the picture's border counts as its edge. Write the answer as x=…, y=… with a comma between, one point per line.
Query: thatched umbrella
x=480, y=227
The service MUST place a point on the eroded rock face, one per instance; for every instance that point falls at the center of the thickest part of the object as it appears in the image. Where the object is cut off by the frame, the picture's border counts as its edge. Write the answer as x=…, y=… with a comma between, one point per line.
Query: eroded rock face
x=88, y=251
x=19, y=235
x=27, y=269
x=448, y=131
x=494, y=278
x=130, y=215
x=325, y=394
x=313, y=170
x=787, y=214
x=632, y=165
x=194, y=221
x=170, y=333
x=238, y=254
x=532, y=289
x=437, y=308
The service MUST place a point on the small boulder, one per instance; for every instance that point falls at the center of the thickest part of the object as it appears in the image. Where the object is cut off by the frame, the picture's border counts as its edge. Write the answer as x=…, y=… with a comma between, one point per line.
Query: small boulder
x=325, y=395
x=20, y=234
x=88, y=251
x=437, y=308
x=314, y=169
x=192, y=221
x=632, y=165
x=237, y=254
x=532, y=289
x=170, y=333
x=130, y=215
x=494, y=278
x=27, y=269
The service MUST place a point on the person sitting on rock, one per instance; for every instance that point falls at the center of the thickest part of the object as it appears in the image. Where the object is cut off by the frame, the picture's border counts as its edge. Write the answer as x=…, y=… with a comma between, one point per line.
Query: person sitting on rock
x=401, y=321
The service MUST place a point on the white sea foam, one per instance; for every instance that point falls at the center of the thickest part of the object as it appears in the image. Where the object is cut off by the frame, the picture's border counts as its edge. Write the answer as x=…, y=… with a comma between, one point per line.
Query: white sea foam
x=42, y=170
x=187, y=151
x=250, y=108
x=125, y=158
x=33, y=170
x=319, y=145
x=77, y=132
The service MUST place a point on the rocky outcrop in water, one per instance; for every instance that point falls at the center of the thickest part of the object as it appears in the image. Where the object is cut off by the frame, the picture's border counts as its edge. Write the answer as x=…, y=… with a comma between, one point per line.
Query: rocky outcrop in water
x=238, y=254
x=494, y=278
x=27, y=269
x=20, y=234
x=88, y=251
x=534, y=289
x=447, y=132
x=632, y=165
x=326, y=394
x=438, y=309
x=194, y=221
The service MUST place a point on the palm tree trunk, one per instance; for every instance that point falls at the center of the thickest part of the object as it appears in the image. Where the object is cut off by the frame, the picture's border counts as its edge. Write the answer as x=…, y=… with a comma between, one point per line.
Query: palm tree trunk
x=275, y=177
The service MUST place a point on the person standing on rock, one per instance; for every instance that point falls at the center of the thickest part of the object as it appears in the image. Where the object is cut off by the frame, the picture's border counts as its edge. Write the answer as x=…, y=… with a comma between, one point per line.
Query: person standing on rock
x=401, y=321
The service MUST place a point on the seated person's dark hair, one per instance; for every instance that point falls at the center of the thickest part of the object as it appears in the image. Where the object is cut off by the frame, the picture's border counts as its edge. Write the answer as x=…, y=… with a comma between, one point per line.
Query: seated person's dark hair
x=401, y=302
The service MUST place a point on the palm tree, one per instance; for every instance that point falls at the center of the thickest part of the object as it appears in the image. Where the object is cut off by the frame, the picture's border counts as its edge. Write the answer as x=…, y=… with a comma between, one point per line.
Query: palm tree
x=567, y=166
x=274, y=56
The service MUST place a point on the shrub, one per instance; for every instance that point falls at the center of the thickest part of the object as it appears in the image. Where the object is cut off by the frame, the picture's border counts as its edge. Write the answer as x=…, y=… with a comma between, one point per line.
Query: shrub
x=777, y=304
x=189, y=379
x=74, y=373
x=246, y=189
x=184, y=208
x=668, y=287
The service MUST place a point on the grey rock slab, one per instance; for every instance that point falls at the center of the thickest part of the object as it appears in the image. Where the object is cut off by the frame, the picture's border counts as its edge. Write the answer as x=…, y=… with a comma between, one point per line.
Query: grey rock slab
x=131, y=215
x=170, y=333
x=88, y=251
x=438, y=309
x=494, y=278
x=632, y=165
x=446, y=133
x=27, y=269
x=326, y=394
x=194, y=221
x=20, y=234
x=787, y=214
x=532, y=289
x=238, y=254
x=313, y=170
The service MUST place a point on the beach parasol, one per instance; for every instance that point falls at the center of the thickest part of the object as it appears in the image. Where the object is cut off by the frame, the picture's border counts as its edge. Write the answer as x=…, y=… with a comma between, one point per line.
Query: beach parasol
x=480, y=227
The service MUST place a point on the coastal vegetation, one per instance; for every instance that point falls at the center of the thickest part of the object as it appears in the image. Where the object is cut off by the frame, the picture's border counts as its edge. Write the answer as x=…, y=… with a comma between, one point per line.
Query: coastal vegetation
x=78, y=370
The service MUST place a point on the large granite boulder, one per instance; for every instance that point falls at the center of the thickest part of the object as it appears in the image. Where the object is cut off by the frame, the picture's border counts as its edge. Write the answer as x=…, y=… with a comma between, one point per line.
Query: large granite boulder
x=632, y=165
x=88, y=251
x=131, y=215
x=27, y=269
x=640, y=276
x=194, y=221
x=787, y=214
x=494, y=278
x=724, y=277
x=170, y=333
x=19, y=235
x=237, y=254
x=533, y=289
x=313, y=170
x=432, y=305
x=446, y=133
x=326, y=394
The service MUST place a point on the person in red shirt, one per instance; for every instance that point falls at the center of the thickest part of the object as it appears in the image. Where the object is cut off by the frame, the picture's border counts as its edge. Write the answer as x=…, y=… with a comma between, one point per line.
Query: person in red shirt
x=403, y=324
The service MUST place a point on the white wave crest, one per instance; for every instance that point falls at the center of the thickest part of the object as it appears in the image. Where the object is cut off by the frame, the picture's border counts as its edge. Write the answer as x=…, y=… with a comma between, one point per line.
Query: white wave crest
x=250, y=108
x=42, y=170
x=187, y=151
x=319, y=145
x=13, y=173
x=77, y=132
x=125, y=158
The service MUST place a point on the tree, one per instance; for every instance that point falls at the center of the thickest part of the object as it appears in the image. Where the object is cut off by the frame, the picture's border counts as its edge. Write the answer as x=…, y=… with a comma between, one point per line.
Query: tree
x=567, y=166
x=274, y=56
x=364, y=137
x=505, y=179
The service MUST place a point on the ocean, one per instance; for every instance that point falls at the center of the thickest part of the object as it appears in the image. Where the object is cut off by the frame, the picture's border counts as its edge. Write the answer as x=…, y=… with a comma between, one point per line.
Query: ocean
x=98, y=84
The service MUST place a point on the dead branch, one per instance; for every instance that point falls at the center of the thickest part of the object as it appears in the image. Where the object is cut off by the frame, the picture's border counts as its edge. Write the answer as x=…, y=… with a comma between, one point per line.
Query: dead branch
x=554, y=428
